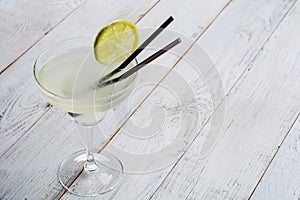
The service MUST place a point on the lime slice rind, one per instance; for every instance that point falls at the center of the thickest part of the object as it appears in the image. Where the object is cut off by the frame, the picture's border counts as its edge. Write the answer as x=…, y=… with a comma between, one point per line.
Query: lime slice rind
x=116, y=41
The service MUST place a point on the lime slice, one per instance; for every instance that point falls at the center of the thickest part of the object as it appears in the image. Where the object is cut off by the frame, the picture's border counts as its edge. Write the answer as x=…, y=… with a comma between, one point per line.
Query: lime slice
x=116, y=42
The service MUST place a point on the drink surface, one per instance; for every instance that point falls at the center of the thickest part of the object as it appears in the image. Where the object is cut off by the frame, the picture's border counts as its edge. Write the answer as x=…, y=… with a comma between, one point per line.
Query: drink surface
x=72, y=78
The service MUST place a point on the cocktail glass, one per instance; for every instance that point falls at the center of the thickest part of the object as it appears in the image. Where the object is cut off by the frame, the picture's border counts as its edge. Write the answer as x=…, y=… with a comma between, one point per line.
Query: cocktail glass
x=67, y=75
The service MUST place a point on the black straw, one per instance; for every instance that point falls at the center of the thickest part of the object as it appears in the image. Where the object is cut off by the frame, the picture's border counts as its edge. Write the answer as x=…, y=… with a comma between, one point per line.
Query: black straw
x=138, y=50
x=142, y=64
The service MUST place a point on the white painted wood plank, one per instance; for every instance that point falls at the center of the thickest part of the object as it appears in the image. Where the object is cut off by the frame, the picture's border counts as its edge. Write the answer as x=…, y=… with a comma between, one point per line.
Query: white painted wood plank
x=260, y=109
x=32, y=173
x=20, y=105
x=30, y=169
x=245, y=49
x=42, y=43
x=281, y=178
x=22, y=23
x=137, y=178
x=238, y=34
x=142, y=186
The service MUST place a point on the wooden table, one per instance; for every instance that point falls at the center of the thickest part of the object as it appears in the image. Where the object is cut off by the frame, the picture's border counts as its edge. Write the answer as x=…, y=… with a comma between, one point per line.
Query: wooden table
x=254, y=45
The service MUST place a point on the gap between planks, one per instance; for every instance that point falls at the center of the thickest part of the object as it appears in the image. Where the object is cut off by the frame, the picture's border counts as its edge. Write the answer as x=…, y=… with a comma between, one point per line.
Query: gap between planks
x=234, y=84
x=47, y=110
x=248, y=67
x=156, y=85
x=273, y=157
x=199, y=37
x=54, y=26
x=48, y=107
x=65, y=190
x=39, y=39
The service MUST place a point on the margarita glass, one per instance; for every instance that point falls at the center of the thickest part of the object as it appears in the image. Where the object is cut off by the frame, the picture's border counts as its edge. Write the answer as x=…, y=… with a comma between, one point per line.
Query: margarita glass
x=67, y=75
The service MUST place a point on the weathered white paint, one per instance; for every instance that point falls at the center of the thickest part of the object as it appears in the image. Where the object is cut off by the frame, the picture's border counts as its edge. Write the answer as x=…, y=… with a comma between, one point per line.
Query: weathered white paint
x=142, y=186
x=22, y=23
x=58, y=32
x=29, y=169
x=20, y=105
x=260, y=109
x=135, y=186
x=281, y=178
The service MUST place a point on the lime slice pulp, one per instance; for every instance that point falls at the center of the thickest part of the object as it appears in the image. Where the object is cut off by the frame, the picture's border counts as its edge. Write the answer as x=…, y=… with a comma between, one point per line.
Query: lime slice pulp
x=116, y=42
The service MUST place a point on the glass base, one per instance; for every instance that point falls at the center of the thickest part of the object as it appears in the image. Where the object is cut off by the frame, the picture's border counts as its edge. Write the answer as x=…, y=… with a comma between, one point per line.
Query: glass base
x=82, y=182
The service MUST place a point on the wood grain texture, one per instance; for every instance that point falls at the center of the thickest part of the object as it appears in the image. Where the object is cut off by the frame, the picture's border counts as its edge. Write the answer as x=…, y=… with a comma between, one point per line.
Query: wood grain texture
x=135, y=184
x=21, y=171
x=29, y=170
x=17, y=81
x=20, y=105
x=281, y=178
x=239, y=33
x=23, y=23
x=268, y=90
x=58, y=34
x=145, y=184
x=142, y=186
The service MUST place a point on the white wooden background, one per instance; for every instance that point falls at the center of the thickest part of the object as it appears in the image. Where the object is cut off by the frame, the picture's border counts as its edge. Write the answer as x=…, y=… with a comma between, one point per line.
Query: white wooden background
x=255, y=46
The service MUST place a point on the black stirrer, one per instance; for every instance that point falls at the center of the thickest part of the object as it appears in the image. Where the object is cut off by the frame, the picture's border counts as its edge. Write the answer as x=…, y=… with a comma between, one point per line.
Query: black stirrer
x=138, y=50
x=142, y=64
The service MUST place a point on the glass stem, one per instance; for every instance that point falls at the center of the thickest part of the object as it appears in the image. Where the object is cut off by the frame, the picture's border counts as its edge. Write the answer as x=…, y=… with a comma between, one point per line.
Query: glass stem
x=90, y=164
